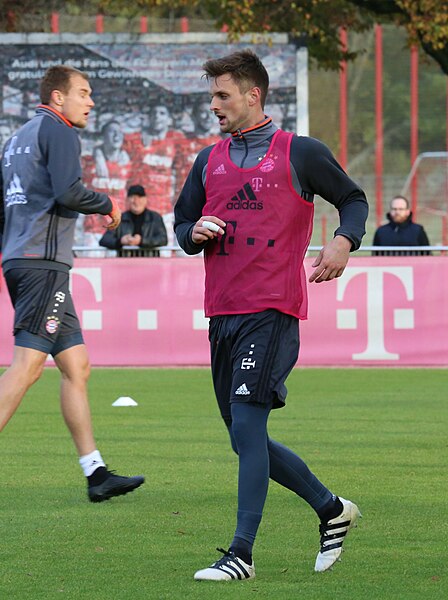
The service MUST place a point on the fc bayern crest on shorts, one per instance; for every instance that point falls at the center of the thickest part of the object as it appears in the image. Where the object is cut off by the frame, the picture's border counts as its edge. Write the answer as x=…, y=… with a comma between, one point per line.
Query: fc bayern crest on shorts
x=52, y=324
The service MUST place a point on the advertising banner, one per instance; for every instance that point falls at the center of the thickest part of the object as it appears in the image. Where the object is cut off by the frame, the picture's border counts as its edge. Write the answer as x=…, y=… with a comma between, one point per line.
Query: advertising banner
x=152, y=108
x=149, y=312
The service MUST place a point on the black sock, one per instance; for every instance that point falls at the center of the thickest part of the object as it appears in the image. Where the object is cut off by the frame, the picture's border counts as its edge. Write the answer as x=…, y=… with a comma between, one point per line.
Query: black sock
x=98, y=476
x=331, y=510
x=242, y=549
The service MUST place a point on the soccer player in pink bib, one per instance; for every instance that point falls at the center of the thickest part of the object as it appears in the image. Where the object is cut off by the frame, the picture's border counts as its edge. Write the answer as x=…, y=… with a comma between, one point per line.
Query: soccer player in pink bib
x=257, y=187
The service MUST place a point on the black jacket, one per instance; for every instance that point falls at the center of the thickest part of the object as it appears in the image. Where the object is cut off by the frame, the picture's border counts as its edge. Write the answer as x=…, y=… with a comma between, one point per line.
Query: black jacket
x=153, y=233
x=400, y=234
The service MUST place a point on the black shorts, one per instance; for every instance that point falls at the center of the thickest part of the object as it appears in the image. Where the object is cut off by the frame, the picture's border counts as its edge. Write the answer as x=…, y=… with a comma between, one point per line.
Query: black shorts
x=251, y=356
x=45, y=318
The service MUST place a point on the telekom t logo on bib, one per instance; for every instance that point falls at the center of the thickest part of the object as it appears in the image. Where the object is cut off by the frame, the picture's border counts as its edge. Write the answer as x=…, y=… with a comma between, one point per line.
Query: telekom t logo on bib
x=403, y=318
x=257, y=183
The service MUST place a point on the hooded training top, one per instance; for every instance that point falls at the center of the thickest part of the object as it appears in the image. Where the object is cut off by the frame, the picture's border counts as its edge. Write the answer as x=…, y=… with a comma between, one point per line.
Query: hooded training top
x=40, y=181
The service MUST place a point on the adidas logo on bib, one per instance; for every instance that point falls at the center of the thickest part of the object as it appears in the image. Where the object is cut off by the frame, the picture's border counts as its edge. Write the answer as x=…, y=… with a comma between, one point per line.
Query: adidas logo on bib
x=221, y=170
x=242, y=390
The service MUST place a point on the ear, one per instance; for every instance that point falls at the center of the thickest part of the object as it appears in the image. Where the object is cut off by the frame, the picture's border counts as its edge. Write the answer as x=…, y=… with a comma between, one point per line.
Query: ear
x=57, y=98
x=254, y=96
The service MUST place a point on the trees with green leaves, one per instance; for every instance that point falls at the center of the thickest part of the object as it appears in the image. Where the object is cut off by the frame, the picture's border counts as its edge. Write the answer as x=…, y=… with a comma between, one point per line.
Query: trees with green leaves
x=426, y=22
x=318, y=21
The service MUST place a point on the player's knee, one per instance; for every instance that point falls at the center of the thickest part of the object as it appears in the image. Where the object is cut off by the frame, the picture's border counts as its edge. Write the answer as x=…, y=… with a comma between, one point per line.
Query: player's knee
x=85, y=369
x=81, y=371
x=240, y=434
x=38, y=372
x=34, y=372
x=76, y=371
x=27, y=367
x=86, y=373
x=232, y=438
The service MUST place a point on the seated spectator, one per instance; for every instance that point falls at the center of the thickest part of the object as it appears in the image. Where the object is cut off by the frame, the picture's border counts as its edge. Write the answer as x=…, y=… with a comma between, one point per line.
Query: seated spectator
x=400, y=231
x=140, y=227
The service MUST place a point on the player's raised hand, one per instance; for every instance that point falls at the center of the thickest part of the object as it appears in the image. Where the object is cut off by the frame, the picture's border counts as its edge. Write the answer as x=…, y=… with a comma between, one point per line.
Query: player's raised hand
x=207, y=228
x=332, y=260
x=115, y=215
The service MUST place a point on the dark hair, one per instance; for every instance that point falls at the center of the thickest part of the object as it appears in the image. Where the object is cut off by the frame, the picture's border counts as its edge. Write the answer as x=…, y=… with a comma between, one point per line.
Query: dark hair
x=57, y=77
x=245, y=68
x=401, y=198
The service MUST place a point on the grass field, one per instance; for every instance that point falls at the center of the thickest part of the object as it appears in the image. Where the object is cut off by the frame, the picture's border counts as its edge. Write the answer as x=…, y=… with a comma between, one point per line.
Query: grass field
x=376, y=436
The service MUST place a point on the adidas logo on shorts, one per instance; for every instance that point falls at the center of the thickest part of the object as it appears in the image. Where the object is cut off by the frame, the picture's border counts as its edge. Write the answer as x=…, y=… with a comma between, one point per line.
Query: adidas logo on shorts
x=242, y=391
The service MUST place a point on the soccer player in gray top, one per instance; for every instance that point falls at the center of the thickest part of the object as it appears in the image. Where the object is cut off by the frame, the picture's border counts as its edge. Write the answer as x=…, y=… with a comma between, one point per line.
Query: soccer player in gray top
x=41, y=197
x=248, y=203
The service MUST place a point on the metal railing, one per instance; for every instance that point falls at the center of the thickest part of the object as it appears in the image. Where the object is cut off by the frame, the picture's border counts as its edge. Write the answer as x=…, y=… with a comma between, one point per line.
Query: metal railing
x=102, y=252
x=176, y=250
x=403, y=250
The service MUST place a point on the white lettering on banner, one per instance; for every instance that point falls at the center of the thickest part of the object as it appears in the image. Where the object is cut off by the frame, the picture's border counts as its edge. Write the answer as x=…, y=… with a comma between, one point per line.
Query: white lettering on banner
x=403, y=318
x=200, y=321
x=92, y=320
x=147, y=320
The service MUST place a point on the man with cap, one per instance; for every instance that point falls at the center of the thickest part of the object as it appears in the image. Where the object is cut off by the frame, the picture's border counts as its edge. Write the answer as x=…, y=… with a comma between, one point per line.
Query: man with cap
x=140, y=227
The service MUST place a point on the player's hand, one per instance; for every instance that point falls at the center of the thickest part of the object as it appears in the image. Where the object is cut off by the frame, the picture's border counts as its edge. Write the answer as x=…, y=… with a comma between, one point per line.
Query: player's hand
x=332, y=260
x=207, y=228
x=115, y=216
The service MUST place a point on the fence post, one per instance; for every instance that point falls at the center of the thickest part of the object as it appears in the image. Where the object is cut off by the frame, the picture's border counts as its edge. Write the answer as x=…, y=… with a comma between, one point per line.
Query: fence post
x=143, y=24
x=343, y=104
x=414, y=127
x=444, y=233
x=379, y=123
x=446, y=144
x=10, y=21
x=99, y=24
x=54, y=22
x=184, y=24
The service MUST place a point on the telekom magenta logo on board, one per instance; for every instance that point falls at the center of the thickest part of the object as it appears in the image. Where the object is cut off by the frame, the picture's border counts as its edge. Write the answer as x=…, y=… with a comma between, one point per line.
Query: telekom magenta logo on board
x=403, y=316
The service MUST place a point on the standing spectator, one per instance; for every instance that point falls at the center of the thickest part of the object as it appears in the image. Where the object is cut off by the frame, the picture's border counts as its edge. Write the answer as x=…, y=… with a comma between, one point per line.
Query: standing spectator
x=400, y=231
x=42, y=195
x=140, y=227
x=248, y=203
